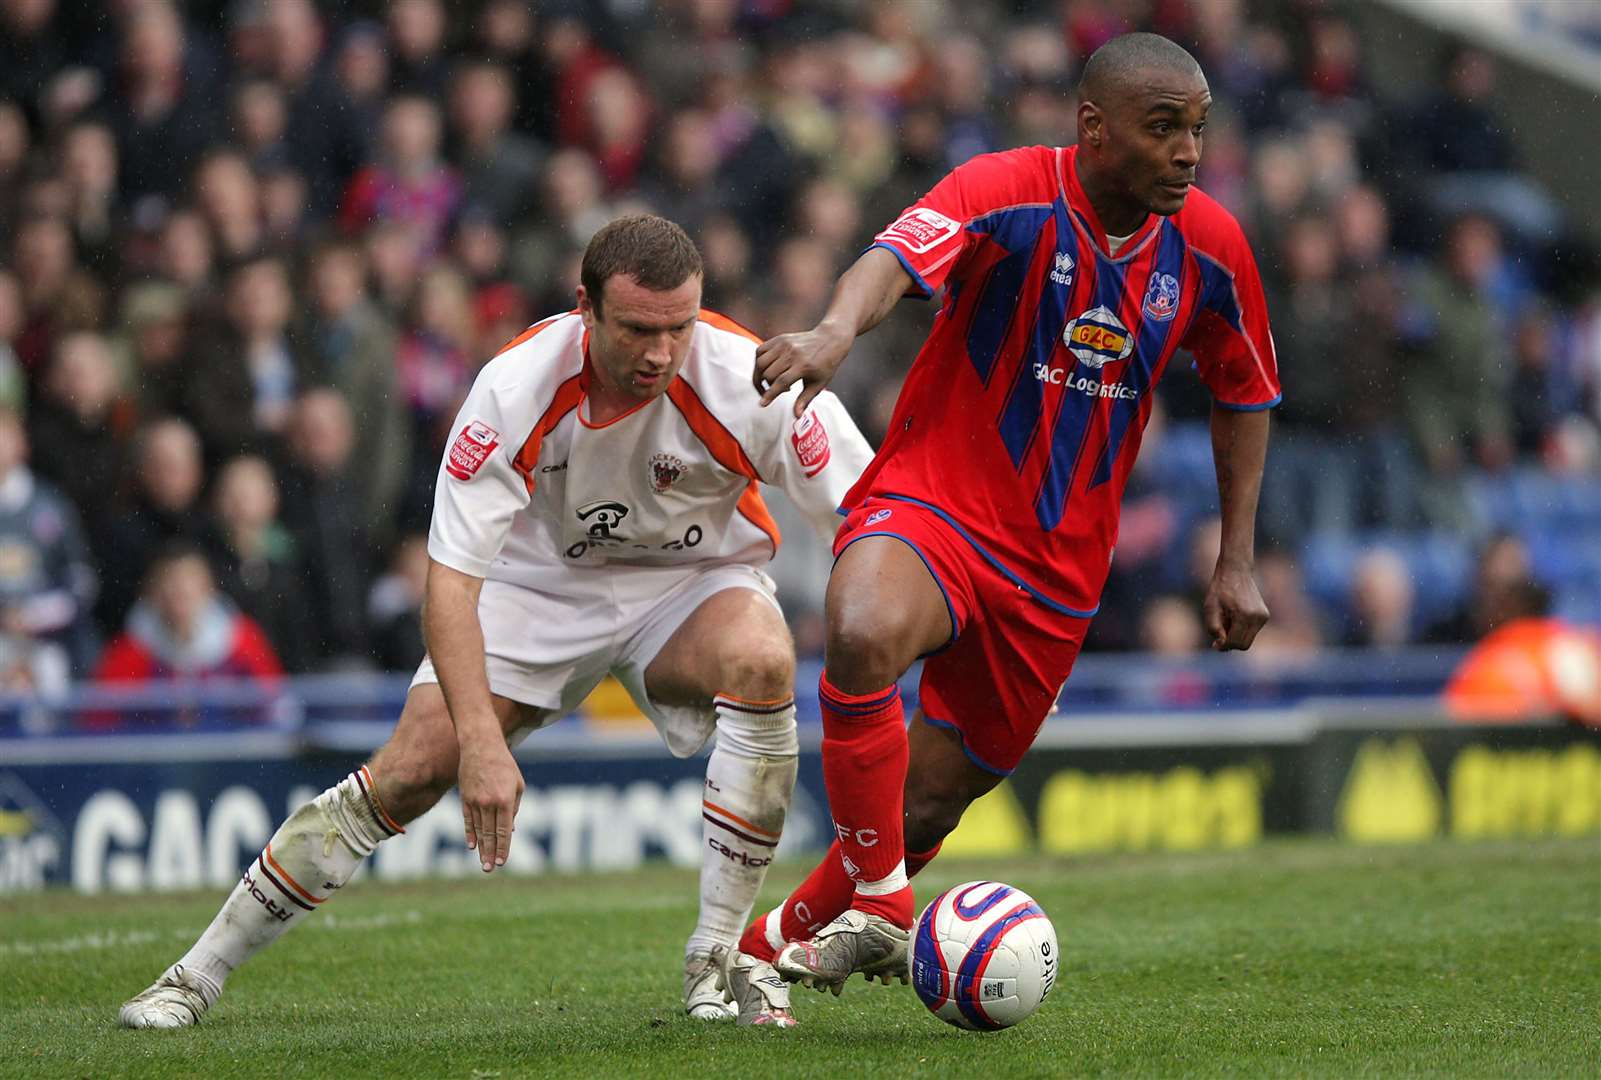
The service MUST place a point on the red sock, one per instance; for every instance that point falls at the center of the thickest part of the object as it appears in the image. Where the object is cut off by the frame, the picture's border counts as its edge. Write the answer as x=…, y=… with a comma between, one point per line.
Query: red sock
x=864, y=769
x=817, y=901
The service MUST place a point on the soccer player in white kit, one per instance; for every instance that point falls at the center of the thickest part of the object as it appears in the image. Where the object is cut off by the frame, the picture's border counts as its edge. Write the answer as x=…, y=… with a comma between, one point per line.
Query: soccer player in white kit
x=597, y=513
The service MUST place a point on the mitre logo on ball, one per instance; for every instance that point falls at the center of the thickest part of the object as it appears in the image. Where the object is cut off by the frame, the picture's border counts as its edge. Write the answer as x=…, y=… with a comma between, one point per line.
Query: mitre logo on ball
x=1098, y=338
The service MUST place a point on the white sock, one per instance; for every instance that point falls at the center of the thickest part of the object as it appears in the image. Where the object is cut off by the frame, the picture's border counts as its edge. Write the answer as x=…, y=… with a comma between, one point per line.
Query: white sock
x=313, y=853
x=749, y=779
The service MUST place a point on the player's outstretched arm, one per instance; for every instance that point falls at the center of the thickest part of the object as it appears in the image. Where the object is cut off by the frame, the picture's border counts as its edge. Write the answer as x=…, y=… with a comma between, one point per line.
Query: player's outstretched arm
x=491, y=784
x=862, y=297
x=1234, y=609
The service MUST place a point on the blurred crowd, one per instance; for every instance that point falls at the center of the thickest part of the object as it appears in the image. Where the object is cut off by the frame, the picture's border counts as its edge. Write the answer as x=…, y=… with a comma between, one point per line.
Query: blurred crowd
x=255, y=251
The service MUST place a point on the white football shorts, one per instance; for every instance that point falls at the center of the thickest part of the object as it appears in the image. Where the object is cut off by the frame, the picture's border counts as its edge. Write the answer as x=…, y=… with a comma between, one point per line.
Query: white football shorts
x=550, y=651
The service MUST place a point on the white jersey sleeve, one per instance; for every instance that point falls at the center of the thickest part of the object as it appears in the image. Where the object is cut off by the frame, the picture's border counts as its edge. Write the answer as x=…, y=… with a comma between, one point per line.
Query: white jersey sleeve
x=814, y=459
x=479, y=489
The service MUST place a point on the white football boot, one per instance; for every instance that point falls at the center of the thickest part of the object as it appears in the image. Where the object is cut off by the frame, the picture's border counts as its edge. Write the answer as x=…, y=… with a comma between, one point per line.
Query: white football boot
x=758, y=994
x=177, y=999
x=703, y=989
x=856, y=941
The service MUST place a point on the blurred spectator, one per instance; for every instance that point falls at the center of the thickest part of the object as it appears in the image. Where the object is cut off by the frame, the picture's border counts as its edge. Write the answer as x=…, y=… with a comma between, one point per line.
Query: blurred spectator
x=1337, y=459
x=240, y=387
x=417, y=36
x=395, y=260
x=154, y=342
x=1382, y=596
x=183, y=628
x=1527, y=670
x=256, y=562
x=1503, y=589
x=163, y=111
x=435, y=365
x=328, y=144
x=499, y=167
x=89, y=167
x=683, y=183
x=574, y=210
x=331, y=532
x=1172, y=627
x=507, y=31
x=32, y=48
x=1456, y=129
x=362, y=67
x=230, y=198
x=79, y=429
x=186, y=254
x=47, y=582
x=44, y=264
x=164, y=506
x=350, y=346
x=1296, y=627
x=260, y=123
x=409, y=183
x=394, y=608
x=1538, y=400
x=1454, y=395
x=283, y=208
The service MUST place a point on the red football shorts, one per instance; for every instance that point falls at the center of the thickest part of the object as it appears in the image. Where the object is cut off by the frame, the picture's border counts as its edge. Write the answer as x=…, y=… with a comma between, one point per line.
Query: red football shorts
x=997, y=679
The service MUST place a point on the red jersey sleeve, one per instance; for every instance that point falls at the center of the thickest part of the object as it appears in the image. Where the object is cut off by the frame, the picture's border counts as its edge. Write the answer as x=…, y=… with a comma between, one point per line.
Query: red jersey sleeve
x=1230, y=339
x=931, y=238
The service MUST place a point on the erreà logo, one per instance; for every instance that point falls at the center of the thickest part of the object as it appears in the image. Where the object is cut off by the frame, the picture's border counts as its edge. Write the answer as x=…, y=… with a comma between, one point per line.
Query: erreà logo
x=1063, y=274
x=1097, y=338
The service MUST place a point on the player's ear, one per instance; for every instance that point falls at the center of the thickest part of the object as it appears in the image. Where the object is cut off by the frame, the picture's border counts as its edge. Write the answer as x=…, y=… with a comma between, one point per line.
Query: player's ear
x=586, y=308
x=1091, y=124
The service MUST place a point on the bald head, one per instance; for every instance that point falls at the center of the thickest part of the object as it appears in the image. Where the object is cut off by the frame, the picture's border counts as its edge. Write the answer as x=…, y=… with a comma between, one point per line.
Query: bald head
x=1122, y=66
x=1142, y=108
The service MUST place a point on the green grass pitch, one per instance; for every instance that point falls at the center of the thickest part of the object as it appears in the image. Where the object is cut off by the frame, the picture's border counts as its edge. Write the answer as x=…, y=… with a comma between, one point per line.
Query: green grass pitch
x=1302, y=958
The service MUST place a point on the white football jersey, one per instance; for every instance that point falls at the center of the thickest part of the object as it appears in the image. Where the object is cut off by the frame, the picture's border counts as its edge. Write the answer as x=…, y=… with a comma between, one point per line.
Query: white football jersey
x=532, y=493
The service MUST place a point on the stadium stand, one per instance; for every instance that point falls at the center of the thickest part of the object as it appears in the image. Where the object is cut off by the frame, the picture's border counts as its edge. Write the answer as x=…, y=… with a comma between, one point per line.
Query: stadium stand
x=288, y=233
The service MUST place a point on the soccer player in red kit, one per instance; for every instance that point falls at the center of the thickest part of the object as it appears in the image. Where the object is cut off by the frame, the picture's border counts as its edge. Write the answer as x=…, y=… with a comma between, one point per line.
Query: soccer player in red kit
x=980, y=536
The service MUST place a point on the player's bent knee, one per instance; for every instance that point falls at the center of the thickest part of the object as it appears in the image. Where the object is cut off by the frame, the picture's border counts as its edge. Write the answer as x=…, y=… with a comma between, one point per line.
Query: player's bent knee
x=865, y=653
x=760, y=671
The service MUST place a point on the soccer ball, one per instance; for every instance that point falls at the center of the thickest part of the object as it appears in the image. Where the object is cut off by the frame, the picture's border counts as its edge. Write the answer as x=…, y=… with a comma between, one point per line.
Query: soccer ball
x=983, y=956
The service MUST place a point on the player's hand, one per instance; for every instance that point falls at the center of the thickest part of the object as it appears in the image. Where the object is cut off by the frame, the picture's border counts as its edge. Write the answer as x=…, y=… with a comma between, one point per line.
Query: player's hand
x=810, y=358
x=491, y=788
x=1234, y=610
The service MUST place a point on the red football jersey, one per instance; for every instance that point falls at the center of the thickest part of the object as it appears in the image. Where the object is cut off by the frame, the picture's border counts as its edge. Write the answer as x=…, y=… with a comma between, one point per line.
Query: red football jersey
x=1020, y=420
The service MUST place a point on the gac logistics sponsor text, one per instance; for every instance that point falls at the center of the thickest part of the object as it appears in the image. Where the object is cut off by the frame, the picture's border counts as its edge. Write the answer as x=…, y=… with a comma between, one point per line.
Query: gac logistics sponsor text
x=181, y=840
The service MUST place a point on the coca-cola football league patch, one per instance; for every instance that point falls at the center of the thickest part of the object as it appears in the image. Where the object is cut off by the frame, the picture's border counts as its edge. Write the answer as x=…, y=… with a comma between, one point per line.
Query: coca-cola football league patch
x=471, y=449
x=811, y=444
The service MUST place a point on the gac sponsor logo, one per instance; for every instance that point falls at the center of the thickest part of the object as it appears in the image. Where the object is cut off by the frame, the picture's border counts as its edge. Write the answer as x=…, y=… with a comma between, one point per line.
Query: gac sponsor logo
x=920, y=229
x=734, y=855
x=1083, y=384
x=1098, y=337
